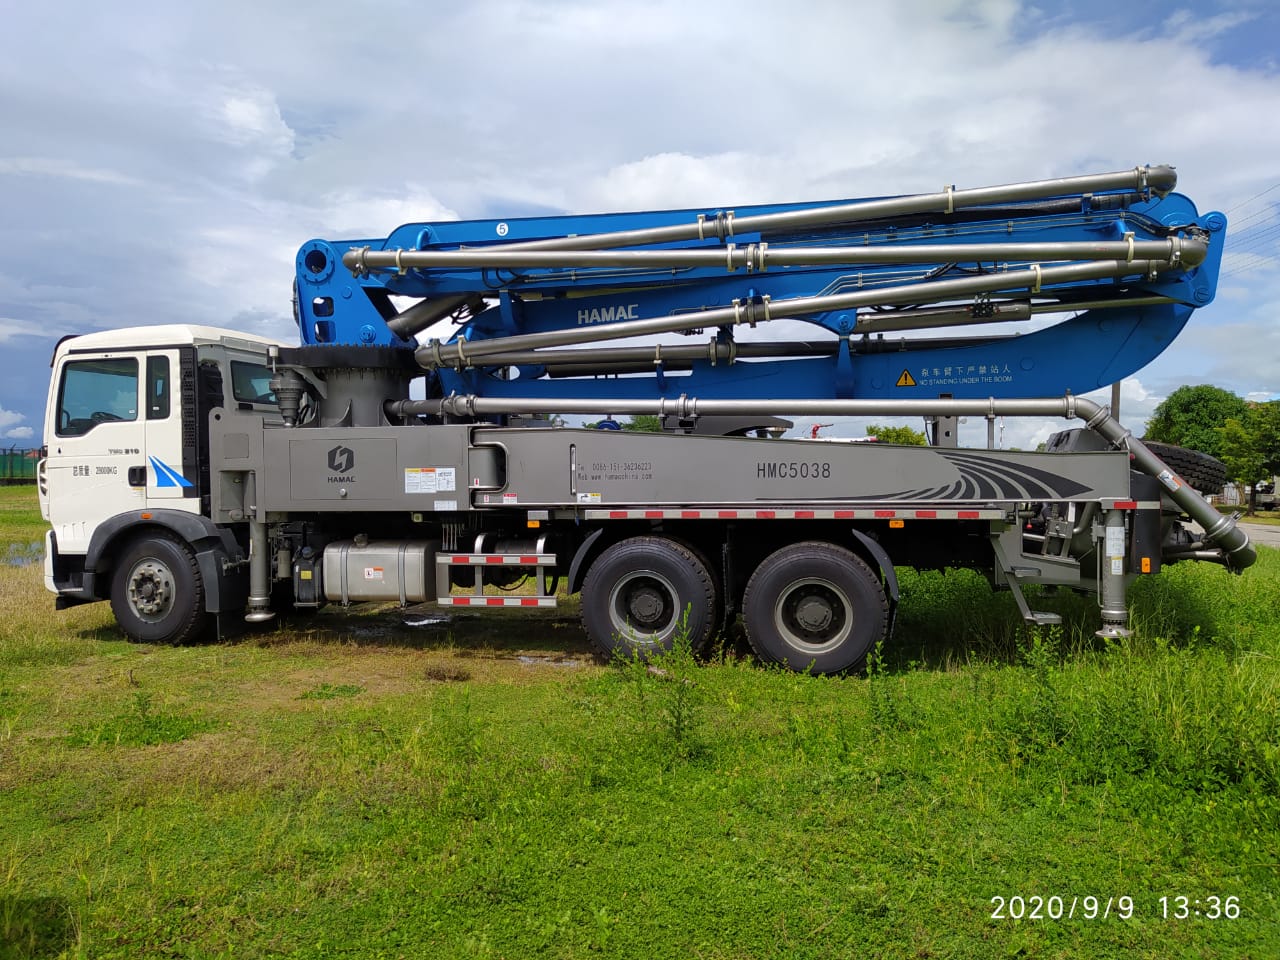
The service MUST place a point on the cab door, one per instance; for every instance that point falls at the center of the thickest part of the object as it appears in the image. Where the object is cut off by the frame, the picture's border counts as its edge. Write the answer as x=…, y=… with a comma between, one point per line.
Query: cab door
x=169, y=414
x=96, y=435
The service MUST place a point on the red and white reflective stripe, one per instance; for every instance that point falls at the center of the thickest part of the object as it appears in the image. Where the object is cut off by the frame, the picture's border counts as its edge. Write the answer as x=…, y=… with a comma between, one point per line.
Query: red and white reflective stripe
x=1130, y=504
x=496, y=601
x=497, y=559
x=789, y=514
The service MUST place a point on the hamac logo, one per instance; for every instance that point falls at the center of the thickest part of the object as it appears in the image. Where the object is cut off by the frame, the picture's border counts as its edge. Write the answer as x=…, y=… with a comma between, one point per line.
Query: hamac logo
x=341, y=459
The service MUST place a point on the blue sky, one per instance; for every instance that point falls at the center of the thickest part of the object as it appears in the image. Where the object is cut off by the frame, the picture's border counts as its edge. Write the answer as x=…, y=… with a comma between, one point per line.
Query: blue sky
x=165, y=166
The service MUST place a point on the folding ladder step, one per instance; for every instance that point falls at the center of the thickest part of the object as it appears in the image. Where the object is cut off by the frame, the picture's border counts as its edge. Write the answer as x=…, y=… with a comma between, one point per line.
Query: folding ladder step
x=536, y=563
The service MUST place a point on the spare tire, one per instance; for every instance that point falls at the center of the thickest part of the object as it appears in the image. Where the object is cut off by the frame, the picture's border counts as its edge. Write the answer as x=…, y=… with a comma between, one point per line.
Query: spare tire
x=1202, y=472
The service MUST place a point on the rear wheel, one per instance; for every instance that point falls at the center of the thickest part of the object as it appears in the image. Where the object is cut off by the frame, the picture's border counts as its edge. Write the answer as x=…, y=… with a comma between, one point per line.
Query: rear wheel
x=636, y=594
x=157, y=594
x=814, y=606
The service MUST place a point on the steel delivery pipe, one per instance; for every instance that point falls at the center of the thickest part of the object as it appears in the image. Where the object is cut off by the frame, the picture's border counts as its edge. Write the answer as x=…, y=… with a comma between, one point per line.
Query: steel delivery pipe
x=464, y=353
x=1156, y=179
x=760, y=256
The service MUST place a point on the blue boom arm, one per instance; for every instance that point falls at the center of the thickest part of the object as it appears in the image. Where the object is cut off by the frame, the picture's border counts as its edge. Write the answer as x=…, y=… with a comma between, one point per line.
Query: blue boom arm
x=897, y=293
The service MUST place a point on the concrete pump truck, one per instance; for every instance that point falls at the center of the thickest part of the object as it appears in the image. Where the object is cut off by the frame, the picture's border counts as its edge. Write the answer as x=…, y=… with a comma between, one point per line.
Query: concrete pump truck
x=412, y=446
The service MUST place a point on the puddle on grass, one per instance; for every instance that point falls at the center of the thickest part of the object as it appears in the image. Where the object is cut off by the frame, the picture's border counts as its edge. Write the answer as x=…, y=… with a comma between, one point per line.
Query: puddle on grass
x=427, y=620
x=23, y=554
x=529, y=660
x=467, y=634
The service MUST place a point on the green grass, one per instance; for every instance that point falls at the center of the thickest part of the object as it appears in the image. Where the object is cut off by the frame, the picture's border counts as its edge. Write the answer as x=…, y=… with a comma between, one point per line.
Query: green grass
x=480, y=787
x=139, y=725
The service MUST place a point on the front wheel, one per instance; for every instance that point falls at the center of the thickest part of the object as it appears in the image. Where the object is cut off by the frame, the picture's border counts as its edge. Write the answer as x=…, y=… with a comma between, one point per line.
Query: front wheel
x=814, y=606
x=157, y=593
x=642, y=593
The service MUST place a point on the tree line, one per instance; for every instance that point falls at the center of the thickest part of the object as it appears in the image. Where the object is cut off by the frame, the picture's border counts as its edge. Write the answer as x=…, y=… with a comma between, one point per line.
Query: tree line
x=1243, y=434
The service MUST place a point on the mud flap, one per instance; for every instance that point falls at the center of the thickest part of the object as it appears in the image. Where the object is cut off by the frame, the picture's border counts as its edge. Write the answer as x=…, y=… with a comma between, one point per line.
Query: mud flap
x=881, y=558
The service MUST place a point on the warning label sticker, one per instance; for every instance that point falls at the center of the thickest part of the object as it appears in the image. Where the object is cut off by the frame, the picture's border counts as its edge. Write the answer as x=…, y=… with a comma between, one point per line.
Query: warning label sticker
x=430, y=479
x=956, y=375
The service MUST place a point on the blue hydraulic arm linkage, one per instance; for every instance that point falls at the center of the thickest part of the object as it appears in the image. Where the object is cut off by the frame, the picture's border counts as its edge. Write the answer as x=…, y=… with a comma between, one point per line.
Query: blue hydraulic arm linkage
x=897, y=295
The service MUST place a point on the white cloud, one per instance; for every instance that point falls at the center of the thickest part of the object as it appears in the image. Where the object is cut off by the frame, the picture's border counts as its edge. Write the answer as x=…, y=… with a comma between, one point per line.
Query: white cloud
x=10, y=328
x=9, y=418
x=248, y=119
x=20, y=433
x=1189, y=27
x=354, y=214
x=677, y=180
x=255, y=116
x=227, y=138
x=61, y=167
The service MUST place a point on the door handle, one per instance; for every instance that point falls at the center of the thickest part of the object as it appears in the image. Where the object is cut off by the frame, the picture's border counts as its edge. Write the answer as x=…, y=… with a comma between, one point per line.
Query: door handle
x=138, y=476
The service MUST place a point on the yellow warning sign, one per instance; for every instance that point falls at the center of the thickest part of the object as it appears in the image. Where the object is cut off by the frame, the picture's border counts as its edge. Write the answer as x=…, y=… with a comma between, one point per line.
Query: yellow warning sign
x=906, y=380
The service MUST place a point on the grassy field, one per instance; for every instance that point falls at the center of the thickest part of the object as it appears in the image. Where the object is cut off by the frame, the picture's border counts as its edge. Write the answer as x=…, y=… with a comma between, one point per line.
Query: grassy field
x=363, y=786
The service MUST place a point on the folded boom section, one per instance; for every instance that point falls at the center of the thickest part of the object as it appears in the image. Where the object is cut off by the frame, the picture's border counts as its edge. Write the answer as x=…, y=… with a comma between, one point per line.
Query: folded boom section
x=1101, y=271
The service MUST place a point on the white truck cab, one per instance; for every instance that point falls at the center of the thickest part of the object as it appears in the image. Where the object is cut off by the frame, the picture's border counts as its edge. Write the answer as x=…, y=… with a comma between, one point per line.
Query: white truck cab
x=124, y=444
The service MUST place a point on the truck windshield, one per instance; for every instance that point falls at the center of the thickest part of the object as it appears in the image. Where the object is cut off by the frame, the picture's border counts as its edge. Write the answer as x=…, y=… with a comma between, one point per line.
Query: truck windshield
x=251, y=382
x=97, y=391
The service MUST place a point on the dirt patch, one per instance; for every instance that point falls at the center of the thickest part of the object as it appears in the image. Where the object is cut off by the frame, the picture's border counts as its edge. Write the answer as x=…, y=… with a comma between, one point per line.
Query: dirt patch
x=446, y=673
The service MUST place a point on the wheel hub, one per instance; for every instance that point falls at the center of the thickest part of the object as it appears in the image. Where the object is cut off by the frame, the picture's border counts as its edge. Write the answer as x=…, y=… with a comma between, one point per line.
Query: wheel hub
x=814, y=614
x=151, y=588
x=645, y=605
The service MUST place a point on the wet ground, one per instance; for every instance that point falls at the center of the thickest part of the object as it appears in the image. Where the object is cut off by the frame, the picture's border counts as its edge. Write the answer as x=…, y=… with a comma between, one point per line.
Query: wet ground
x=541, y=637
x=21, y=554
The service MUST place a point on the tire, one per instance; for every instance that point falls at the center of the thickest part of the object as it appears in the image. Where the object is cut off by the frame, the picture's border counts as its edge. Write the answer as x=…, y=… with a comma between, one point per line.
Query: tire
x=157, y=594
x=814, y=606
x=636, y=593
x=1202, y=472
x=717, y=585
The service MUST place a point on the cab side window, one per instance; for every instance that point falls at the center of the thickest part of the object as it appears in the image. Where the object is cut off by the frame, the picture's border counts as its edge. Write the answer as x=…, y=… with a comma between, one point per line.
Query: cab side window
x=95, y=392
x=251, y=382
x=157, y=388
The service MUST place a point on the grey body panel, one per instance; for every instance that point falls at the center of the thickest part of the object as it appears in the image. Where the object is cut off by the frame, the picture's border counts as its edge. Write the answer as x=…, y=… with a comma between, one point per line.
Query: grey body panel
x=610, y=468
x=459, y=467
x=324, y=469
